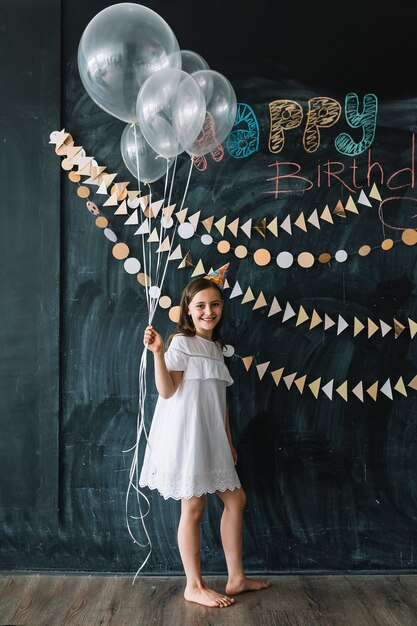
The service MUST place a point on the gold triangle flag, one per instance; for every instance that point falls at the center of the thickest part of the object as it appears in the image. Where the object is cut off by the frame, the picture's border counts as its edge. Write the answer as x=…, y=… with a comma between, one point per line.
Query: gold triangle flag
x=260, y=302
x=247, y=362
x=289, y=379
x=372, y=327
x=315, y=387
x=375, y=193
x=261, y=228
x=413, y=383
x=302, y=316
x=221, y=225
x=357, y=326
x=112, y=201
x=233, y=226
x=199, y=269
x=181, y=215
x=400, y=387
x=153, y=236
x=186, y=262
x=342, y=390
x=300, y=382
x=315, y=319
x=208, y=223
x=168, y=211
x=413, y=327
x=276, y=375
x=398, y=328
x=339, y=210
x=273, y=226
x=300, y=222
x=122, y=210
x=165, y=245
x=248, y=296
x=373, y=390
x=351, y=206
x=326, y=215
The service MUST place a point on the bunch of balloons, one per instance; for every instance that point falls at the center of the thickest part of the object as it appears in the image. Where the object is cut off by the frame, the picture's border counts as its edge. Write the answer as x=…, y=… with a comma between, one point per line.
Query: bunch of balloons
x=131, y=65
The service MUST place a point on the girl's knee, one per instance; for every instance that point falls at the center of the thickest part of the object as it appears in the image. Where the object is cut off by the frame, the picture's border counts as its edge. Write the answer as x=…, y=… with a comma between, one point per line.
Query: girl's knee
x=193, y=507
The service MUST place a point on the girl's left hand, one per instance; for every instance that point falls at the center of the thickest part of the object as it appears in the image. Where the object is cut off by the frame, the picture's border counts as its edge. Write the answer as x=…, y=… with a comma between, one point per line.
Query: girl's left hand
x=234, y=454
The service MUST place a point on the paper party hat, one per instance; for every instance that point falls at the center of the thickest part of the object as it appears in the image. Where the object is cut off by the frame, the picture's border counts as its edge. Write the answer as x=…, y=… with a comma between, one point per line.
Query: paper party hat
x=218, y=276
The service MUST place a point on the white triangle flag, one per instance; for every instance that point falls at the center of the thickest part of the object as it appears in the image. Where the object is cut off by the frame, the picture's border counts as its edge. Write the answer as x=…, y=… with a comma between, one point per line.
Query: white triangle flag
x=363, y=199
x=288, y=313
x=328, y=389
x=358, y=391
x=176, y=254
x=143, y=228
x=328, y=322
x=386, y=389
x=193, y=219
x=133, y=219
x=341, y=325
x=236, y=291
x=275, y=307
x=385, y=328
x=247, y=228
x=314, y=219
x=286, y=225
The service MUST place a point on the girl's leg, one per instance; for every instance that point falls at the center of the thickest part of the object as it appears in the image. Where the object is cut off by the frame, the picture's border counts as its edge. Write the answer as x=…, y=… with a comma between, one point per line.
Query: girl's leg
x=192, y=510
x=231, y=529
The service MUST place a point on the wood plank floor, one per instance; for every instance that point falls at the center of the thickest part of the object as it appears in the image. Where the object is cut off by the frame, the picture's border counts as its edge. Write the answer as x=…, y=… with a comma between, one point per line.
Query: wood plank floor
x=303, y=600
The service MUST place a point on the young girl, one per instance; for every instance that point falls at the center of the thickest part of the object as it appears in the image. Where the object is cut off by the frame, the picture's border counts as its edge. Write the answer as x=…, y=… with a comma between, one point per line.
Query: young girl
x=190, y=451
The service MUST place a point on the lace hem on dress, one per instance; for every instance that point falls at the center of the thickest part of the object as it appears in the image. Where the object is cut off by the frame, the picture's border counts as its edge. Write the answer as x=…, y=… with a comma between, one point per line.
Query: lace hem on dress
x=177, y=486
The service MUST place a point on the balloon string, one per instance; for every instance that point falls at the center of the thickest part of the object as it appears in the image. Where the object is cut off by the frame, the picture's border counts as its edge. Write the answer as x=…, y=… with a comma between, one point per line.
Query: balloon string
x=137, y=159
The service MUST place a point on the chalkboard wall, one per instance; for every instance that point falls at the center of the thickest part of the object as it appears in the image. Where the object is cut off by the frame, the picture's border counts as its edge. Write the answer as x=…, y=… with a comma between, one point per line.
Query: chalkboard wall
x=331, y=482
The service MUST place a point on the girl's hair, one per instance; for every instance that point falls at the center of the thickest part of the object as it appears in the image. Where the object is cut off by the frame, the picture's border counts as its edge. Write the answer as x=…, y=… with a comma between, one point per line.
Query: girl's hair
x=185, y=326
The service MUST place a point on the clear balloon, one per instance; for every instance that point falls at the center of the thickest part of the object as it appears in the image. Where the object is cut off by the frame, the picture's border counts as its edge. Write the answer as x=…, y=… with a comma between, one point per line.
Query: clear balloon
x=119, y=49
x=137, y=152
x=221, y=108
x=170, y=110
x=192, y=62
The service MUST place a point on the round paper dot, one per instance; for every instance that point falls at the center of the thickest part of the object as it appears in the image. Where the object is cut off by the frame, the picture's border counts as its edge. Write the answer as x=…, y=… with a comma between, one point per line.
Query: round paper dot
x=167, y=223
x=154, y=292
x=165, y=302
x=325, y=257
x=102, y=222
x=228, y=350
x=83, y=191
x=305, y=259
x=409, y=237
x=132, y=265
x=110, y=234
x=241, y=252
x=66, y=165
x=387, y=244
x=206, y=240
x=341, y=256
x=186, y=230
x=223, y=246
x=133, y=203
x=144, y=280
x=74, y=177
x=262, y=257
x=174, y=314
x=364, y=250
x=285, y=260
x=120, y=251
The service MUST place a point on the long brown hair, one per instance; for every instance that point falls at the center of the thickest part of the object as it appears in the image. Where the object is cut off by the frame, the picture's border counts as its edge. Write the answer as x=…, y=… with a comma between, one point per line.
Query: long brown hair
x=185, y=325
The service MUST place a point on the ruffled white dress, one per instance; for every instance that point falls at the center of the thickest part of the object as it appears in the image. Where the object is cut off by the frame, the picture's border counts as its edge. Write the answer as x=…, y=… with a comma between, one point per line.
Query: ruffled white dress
x=188, y=453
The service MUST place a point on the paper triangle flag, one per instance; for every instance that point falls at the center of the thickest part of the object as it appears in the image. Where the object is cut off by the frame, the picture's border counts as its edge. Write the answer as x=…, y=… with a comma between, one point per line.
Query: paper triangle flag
x=260, y=302
x=315, y=387
x=372, y=327
x=156, y=207
x=176, y=254
x=363, y=199
x=413, y=383
x=276, y=375
x=373, y=390
x=233, y=226
x=328, y=322
x=273, y=226
x=194, y=218
x=112, y=201
x=144, y=202
x=286, y=225
x=374, y=193
x=275, y=308
x=261, y=228
x=248, y=296
x=351, y=206
x=315, y=319
x=181, y=215
x=358, y=391
x=247, y=362
x=165, y=245
x=262, y=367
x=59, y=138
x=314, y=219
x=218, y=276
x=328, y=389
x=132, y=195
x=341, y=325
x=288, y=313
x=199, y=269
x=342, y=390
x=326, y=215
x=302, y=316
x=247, y=228
x=84, y=165
x=385, y=328
x=122, y=210
x=386, y=389
x=168, y=211
x=300, y=222
x=153, y=237
x=221, y=225
x=143, y=228
x=357, y=326
x=413, y=327
x=133, y=220
x=289, y=379
x=226, y=285
x=102, y=190
x=339, y=209
x=400, y=387
x=236, y=291
x=208, y=223
x=186, y=262
x=108, y=179
x=398, y=328
x=300, y=382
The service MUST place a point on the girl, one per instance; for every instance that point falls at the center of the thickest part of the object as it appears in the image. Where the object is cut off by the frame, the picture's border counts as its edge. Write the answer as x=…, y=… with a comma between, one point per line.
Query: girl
x=190, y=451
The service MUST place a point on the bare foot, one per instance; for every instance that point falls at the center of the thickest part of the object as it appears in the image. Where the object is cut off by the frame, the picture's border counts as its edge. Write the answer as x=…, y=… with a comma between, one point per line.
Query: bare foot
x=245, y=584
x=206, y=596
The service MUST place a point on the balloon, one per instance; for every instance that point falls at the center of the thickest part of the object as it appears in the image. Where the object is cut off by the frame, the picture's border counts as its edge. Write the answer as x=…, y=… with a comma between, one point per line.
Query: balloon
x=192, y=62
x=119, y=49
x=221, y=108
x=170, y=110
x=151, y=165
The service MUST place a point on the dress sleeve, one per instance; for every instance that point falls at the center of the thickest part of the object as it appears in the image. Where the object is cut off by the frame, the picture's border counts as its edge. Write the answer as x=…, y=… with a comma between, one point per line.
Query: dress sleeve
x=176, y=358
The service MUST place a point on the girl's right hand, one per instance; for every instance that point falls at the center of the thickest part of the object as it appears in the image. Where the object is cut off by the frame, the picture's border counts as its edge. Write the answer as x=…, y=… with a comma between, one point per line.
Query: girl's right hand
x=153, y=340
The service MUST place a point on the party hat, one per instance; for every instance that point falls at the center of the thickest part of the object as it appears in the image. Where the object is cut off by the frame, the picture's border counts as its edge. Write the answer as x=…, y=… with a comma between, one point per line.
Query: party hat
x=218, y=276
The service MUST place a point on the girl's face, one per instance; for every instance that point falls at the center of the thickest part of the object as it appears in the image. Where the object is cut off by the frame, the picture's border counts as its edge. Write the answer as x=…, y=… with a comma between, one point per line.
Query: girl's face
x=206, y=310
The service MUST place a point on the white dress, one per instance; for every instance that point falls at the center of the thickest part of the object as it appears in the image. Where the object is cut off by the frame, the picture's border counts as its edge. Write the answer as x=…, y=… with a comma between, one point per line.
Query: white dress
x=188, y=453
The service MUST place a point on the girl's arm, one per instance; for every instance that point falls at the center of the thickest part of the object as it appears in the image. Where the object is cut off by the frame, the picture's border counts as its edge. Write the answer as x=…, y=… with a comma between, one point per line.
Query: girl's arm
x=166, y=382
x=229, y=436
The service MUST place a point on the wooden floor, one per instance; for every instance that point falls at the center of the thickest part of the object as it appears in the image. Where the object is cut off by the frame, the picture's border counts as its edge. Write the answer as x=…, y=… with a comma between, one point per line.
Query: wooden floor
x=305, y=600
